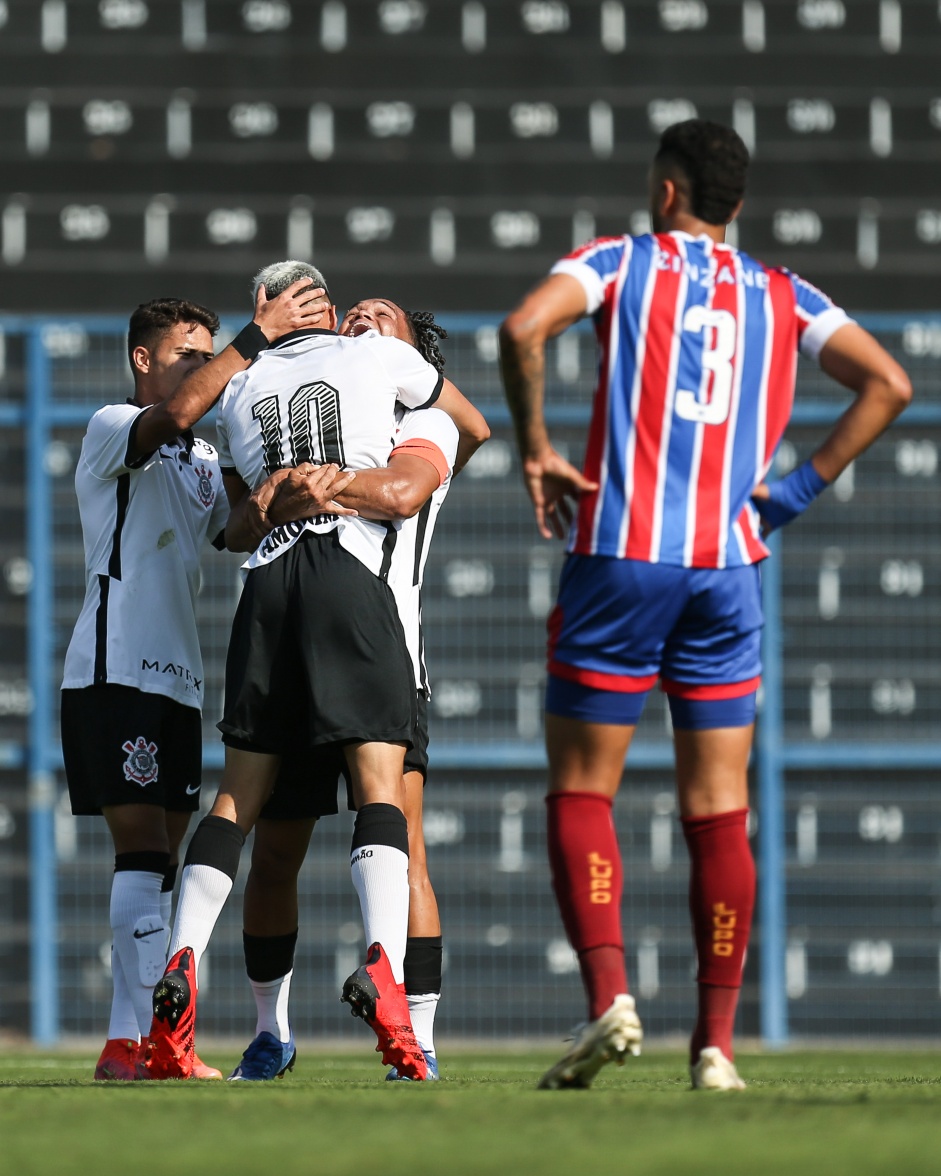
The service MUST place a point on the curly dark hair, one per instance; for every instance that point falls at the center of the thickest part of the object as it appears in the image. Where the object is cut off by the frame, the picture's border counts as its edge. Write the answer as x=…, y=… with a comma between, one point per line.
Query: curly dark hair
x=427, y=333
x=714, y=161
x=151, y=321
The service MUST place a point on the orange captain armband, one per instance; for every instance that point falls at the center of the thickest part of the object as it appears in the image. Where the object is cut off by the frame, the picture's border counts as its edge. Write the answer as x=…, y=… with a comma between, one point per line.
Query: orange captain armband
x=428, y=451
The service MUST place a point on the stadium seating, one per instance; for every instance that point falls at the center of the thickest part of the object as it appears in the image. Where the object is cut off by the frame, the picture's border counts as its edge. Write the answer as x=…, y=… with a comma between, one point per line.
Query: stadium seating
x=174, y=141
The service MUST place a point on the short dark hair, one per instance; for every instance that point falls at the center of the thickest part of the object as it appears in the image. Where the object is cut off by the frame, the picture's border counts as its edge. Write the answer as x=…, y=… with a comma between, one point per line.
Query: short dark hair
x=426, y=333
x=151, y=321
x=714, y=161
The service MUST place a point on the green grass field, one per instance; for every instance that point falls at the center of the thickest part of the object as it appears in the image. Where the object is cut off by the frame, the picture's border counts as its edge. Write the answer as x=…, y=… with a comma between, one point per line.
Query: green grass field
x=804, y=1113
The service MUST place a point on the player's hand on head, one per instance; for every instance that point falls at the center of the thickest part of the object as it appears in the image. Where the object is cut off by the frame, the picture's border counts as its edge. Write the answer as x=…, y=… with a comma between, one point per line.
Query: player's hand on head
x=302, y=305
x=554, y=484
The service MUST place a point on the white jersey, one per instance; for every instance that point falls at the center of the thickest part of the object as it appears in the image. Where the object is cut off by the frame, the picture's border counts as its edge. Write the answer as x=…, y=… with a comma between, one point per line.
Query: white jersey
x=320, y=397
x=144, y=526
x=414, y=536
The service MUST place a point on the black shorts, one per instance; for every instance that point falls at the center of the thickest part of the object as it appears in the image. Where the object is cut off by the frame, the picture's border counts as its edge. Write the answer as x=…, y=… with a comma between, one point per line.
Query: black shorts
x=317, y=655
x=306, y=787
x=125, y=746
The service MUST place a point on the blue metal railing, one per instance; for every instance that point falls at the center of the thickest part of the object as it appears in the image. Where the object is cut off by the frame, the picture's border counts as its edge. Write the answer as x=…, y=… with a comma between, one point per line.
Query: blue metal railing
x=42, y=756
x=772, y=896
x=42, y=872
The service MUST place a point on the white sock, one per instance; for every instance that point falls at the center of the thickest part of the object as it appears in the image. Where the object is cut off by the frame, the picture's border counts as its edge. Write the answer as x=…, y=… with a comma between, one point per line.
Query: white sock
x=271, y=1001
x=166, y=910
x=123, y=1022
x=423, y=1007
x=203, y=891
x=138, y=940
x=380, y=875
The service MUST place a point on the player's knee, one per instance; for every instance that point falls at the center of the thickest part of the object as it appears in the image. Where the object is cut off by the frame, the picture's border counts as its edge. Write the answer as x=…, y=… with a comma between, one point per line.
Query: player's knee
x=137, y=828
x=277, y=856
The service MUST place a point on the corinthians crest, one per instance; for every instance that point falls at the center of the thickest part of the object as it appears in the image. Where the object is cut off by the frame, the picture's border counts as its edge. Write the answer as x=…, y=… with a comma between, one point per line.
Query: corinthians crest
x=141, y=763
x=204, y=485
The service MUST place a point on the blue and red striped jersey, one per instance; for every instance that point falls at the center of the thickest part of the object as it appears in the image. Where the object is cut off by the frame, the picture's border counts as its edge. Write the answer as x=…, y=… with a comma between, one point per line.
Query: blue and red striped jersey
x=696, y=382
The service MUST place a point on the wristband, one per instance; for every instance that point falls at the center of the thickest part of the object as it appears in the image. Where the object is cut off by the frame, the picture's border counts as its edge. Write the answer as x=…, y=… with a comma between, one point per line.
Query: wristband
x=250, y=340
x=790, y=496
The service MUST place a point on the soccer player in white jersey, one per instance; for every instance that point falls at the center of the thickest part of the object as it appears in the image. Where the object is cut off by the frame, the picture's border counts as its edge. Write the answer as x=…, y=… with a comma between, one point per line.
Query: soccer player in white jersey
x=316, y=645
x=306, y=788
x=149, y=496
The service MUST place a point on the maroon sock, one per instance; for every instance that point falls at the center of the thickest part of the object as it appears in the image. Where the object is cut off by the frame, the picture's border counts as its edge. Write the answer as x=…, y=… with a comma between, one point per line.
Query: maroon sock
x=587, y=879
x=721, y=900
x=604, y=975
x=716, y=1020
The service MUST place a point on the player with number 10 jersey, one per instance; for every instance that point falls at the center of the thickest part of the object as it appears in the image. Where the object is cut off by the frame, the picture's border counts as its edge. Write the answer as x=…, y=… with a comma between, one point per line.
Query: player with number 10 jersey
x=319, y=397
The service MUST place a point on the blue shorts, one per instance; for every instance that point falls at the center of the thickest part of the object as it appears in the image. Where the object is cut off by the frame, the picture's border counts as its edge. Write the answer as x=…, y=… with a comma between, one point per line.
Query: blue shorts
x=620, y=624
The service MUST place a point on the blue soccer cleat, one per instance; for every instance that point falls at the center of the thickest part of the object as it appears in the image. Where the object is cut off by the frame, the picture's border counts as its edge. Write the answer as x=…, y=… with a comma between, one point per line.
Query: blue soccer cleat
x=265, y=1058
x=430, y=1076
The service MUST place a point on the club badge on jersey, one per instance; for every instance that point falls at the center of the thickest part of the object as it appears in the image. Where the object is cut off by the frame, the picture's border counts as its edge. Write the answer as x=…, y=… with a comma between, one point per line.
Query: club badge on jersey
x=141, y=763
x=204, y=488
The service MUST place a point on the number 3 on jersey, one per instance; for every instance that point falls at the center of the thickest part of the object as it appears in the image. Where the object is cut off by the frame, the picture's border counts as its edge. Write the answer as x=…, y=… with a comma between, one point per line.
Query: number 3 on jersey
x=313, y=430
x=718, y=331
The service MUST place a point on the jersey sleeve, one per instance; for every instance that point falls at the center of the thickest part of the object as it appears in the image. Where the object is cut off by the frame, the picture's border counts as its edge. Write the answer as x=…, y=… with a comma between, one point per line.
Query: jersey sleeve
x=224, y=418
x=418, y=383
x=818, y=317
x=222, y=443
x=595, y=266
x=431, y=434
x=109, y=438
x=218, y=520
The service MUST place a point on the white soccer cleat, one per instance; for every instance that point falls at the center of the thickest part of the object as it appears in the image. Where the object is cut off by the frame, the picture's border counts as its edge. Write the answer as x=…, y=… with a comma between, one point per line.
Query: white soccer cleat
x=611, y=1038
x=714, y=1071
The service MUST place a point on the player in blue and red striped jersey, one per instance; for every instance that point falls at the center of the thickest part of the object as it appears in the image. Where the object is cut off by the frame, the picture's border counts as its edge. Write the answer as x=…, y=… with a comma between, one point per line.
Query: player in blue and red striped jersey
x=699, y=346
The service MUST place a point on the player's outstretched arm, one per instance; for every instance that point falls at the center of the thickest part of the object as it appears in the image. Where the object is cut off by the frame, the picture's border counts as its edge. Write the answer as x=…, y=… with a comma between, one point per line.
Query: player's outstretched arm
x=251, y=519
x=546, y=311
x=300, y=305
x=856, y=360
x=471, y=424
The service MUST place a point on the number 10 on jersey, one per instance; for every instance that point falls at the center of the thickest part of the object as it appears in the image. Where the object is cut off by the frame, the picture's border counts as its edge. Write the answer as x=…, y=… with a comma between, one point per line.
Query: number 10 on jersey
x=312, y=431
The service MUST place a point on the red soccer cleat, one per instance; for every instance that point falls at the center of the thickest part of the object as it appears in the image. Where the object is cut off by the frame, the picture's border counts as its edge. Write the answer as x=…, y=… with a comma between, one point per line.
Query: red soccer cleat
x=372, y=993
x=200, y=1069
x=118, y=1061
x=170, y=1051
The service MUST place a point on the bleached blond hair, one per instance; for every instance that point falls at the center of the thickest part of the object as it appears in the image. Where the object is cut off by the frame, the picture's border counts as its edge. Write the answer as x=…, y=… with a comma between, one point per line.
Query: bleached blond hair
x=277, y=277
